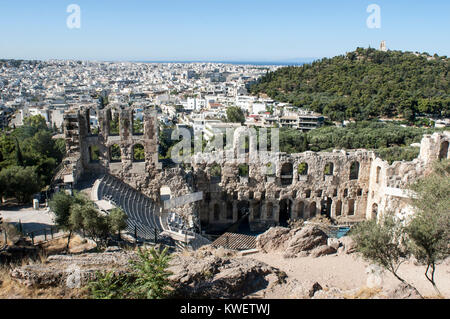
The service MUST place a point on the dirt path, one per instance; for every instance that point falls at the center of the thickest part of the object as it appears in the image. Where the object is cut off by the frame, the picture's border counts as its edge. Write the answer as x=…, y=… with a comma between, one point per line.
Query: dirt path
x=349, y=272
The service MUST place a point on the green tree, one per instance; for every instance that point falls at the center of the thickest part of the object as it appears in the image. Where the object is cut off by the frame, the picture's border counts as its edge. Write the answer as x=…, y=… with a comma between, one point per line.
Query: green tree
x=117, y=220
x=152, y=275
x=235, y=115
x=383, y=243
x=20, y=182
x=429, y=228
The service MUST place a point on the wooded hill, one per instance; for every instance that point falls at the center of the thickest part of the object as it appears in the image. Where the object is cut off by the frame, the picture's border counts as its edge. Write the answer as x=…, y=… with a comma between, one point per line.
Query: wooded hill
x=364, y=84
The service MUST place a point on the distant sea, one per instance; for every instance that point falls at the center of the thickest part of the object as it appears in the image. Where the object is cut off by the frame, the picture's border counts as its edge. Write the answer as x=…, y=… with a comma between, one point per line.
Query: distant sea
x=258, y=63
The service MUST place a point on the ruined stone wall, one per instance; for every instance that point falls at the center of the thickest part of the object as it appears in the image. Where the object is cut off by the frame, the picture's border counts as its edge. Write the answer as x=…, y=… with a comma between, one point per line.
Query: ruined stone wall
x=359, y=185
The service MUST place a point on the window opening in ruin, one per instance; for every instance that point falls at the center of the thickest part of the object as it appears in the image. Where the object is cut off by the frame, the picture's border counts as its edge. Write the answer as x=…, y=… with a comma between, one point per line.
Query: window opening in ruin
x=243, y=170
x=312, y=209
x=138, y=122
x=287, y=174
x=113, y=123
x=378, y=174
x=216, y=173
x=269, y=211
x=263, y=195
x=308, y=193
x=94, y=154
x=256, y=206
x=351, y=207
x=319, y=193
x=301, y=210
x=251, y=195
x=285, y=212
x=216, y=212
x=345, y=193
x=294, y=194
x=359, y=193
x=115, y=154
x=326, y=207
x=138, y=153
x=302, y=169
x=339, y=208
x=229, y=211
x=243, y=209
x=270, y=170
x=374, y=211
x=335, y=192
x=329, y=168
x=443, y=153
x=354, y=171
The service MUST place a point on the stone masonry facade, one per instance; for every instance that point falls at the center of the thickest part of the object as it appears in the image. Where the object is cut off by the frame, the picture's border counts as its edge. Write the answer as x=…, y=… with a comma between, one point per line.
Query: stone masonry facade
x=344, y=185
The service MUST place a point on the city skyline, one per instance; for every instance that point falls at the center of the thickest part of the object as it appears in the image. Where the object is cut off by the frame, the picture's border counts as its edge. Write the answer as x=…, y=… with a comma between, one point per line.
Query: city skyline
x=263, y=31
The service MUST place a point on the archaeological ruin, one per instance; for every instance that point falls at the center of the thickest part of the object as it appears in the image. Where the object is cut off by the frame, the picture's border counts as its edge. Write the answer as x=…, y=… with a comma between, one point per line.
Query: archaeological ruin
x=347, y=186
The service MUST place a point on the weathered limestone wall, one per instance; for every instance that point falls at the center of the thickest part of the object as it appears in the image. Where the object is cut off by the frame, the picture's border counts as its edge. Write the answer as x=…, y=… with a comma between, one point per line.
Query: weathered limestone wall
x=359, y=185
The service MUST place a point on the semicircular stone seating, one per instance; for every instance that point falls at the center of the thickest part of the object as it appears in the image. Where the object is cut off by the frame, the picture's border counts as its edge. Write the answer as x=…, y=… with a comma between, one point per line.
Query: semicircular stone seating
x=140, y=209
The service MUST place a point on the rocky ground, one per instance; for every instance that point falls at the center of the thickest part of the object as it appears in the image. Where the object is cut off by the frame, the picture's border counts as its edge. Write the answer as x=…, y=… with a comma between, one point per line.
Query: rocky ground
x=298, y=263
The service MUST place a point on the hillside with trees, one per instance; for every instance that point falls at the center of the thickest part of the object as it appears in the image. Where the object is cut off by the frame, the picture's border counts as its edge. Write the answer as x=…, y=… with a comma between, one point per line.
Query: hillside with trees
x=29, y=156
x=364, y=84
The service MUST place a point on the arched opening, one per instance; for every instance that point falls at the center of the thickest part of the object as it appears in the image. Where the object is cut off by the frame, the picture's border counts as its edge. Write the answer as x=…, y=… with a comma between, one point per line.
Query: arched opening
x=256, y=208
x=138, y=122
x=269, y=210
x=354, y=171
x=216, y=173
x=216, y=212
x=94, y=154
x=138, y=153
x=301, y=210
x=115, y=154
x=339, y=208
x=287, y=174
x=302, y=169
x=113, y=119
x=285, y=212
x=329, y=169
x=374, y=211
x=443, y=153
x=326, y=206
x=351, y=207
x=378, y=174
x=312, y=209
x=243, y=209
x=243, y=170
x=229, y=210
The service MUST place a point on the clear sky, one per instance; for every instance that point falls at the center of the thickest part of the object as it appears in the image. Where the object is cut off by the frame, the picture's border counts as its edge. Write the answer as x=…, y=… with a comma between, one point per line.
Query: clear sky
x=238, y=30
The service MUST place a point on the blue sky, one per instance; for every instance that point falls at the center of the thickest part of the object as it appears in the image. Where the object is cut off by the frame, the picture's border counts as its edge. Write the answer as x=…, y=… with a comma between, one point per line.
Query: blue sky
x=231, y=30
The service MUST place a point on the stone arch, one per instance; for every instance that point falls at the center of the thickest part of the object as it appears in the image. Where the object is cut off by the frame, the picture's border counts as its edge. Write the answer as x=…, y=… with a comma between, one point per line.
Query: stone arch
x=329, y=169
x=243, y=170
x=269, y=210
x=243, y=208
x=137, y=121
x=215, y=173
x=338, y=211
x=354, y=171
x=256, y=210
x=443, y=152
x=285, y=213
x=374, y=213
x=302, y=169
x=138, y=153
x=216, y=212
x=241, y=134
x=351, y=207
x=312, y=209
x=378, y=174
x=113, y=119
x=115, y=153
x=230, y=210
x=287, y=174
x=300, y=210
x=94, y=154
